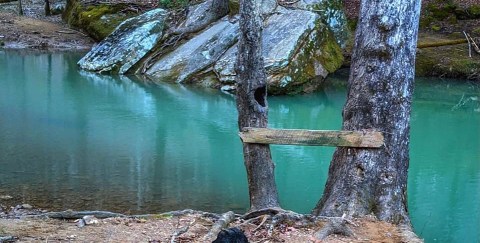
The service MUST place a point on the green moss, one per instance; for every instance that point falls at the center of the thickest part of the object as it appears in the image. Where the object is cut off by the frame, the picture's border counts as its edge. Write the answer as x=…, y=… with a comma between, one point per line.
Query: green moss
x=439, y=10
x=436, y=28
x=97, y=20
x=447, y=61
x=331, y=57
x=234, y=6
x=301, y=75
x=474, y=11
x=476, y=31
x=332, y=15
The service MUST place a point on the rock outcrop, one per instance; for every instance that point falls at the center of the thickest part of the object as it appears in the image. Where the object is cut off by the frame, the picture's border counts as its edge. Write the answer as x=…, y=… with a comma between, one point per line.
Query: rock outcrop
x=299, y=48
x=196, y=54
x=130, y=41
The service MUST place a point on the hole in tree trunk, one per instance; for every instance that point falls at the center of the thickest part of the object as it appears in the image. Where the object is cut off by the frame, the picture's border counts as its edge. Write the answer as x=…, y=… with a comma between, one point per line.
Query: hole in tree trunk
x=260, y=94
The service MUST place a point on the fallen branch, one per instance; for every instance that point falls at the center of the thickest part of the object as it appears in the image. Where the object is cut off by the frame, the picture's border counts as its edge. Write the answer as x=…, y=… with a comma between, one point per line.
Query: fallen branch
x=475, y=47
x=265, y=218
x=221, y=223
x=441, y=43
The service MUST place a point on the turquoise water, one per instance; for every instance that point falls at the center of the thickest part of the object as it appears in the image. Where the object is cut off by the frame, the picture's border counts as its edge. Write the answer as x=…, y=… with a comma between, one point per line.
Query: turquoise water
x=71, y=139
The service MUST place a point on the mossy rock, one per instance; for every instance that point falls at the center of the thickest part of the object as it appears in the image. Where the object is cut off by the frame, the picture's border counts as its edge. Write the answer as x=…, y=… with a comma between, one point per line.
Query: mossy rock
x=233, y=6
x=98, y=21
x=448, y=61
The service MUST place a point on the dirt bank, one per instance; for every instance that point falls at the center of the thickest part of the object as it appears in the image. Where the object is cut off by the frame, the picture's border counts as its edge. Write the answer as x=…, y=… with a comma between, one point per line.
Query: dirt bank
x=36, y=31
x=187, y=226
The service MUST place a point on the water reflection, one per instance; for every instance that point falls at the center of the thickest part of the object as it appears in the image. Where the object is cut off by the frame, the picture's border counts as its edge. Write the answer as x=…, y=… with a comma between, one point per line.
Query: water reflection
x=71, y=139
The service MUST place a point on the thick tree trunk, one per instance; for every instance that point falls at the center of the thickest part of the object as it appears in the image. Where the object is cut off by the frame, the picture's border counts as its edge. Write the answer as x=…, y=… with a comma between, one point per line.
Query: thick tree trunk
x=363, y=181
x=253, y=107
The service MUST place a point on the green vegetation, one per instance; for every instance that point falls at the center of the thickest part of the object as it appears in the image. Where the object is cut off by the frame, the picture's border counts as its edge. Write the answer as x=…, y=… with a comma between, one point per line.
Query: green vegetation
x=447, y=10
x=97, y=20
x=173, y=4
x=455, y=64
x=324, y=50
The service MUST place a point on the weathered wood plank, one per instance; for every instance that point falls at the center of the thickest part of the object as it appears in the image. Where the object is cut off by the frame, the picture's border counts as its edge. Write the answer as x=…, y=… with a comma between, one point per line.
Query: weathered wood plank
x=360, y=139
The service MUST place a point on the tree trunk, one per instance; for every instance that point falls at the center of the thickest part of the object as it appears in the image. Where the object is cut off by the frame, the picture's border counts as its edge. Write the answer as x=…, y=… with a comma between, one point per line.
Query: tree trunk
x=363, y=181
x=253, y=107
x=20, y=7
x=47, y=8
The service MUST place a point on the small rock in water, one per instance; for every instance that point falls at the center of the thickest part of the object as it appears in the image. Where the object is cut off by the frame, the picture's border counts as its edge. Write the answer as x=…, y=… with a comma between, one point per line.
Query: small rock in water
x=90, y=219
x=228, y=89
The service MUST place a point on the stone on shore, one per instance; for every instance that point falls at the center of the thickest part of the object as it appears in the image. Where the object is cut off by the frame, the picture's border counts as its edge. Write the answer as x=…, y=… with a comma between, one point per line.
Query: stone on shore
x=130, y=41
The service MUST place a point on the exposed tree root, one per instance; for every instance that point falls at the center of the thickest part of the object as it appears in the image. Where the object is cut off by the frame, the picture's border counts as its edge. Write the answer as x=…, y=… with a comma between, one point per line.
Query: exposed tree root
x=221, y=223
x=180, y=231
x=334, y=226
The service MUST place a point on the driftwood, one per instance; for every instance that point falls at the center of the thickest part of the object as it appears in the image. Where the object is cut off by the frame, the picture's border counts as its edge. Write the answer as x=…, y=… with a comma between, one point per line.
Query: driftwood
x=221, y=223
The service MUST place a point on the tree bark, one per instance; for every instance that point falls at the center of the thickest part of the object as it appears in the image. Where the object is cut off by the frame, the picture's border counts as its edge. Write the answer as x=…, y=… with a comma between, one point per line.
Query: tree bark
x=47, y=8
x=20, y=7
x=363, y=181
x=253, y=107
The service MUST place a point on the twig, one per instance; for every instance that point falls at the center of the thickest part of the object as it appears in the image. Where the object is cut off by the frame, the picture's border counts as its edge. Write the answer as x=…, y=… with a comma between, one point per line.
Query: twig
x=469, y=45
x=460, y=103
x=475, y=47
x=265, y=218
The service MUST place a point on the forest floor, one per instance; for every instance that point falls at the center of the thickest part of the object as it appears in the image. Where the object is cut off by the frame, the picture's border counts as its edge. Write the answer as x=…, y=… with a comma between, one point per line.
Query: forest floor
x=183, y=226
x=36, y=31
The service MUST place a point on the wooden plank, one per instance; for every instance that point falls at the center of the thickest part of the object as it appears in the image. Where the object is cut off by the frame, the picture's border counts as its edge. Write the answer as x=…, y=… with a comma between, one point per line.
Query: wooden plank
x=359, y=139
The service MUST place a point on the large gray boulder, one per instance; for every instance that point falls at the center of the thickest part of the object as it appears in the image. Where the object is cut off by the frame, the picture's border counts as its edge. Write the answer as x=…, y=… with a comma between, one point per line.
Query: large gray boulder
x=331, y=13
x=129, y=43
x=195, y=55
x=298, y=49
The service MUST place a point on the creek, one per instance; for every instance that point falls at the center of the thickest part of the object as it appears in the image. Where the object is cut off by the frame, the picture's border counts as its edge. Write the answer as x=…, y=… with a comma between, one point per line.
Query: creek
x=76, y=140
